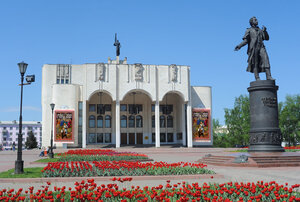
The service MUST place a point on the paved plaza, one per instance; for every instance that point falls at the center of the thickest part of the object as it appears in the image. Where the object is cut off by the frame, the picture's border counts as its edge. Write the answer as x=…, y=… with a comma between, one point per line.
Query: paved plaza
x=166, y=153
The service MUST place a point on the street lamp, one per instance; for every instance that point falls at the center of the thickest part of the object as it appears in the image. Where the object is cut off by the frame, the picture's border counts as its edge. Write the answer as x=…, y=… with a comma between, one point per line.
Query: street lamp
x=19, y=163
x=51, y=154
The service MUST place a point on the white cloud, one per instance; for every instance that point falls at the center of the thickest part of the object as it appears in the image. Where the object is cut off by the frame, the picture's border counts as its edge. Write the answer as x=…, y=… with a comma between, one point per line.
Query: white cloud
x=25, y=108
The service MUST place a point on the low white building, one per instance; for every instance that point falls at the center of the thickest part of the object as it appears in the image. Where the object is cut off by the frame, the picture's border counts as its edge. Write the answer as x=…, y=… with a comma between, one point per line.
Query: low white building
x=9, y=131
x=123, y=104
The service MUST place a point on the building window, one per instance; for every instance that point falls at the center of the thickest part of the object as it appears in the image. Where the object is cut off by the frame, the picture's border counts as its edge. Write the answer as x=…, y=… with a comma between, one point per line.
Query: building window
x=152, y=108
x=99, y=121
x=108, y=107
x=92, y=121
x=107, y=121
x=162, y=137
x=170, y=121
x=92, y=108
x=162, y=121
x=139, y=121
x=107, y=138
x=179, y=136
x=170, y=137
x=123, y=121
x=131, y=122
x=153, y=121
x=63, y=74
x=92, y=138
x=153, y=137
x=99, y=137
x=123, y=108
x=100, y=109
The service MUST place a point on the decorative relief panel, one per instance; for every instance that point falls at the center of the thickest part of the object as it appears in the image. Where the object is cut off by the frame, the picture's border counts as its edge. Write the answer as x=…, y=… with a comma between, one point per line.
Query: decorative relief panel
x=138, y=72
x=100, y=72
x=173, y=72
x=273, y=137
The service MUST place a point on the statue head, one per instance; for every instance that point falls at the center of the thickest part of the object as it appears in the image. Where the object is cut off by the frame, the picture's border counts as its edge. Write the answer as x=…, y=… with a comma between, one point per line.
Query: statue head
x=253, y=21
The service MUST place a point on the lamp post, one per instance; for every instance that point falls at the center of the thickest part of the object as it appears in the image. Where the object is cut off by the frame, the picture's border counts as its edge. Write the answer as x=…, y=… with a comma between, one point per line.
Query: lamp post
x=51, y=154
x=19, y=163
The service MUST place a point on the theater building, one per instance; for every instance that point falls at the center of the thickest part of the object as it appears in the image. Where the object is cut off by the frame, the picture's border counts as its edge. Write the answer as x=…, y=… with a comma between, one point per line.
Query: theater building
x=118, y=104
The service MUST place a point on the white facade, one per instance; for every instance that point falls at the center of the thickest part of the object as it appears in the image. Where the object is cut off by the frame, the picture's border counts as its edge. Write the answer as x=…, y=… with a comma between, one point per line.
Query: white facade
x=120, y=86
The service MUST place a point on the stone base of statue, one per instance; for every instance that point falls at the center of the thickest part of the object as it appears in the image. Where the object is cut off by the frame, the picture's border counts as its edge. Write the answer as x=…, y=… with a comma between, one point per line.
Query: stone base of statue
x=265, y=135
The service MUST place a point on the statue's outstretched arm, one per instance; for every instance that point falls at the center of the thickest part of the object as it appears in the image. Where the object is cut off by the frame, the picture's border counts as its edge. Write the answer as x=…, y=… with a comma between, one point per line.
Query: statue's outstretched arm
x=243, y=43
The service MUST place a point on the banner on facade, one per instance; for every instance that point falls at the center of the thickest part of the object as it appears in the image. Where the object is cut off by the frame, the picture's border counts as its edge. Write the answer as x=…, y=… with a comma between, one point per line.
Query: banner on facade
x=64, y=126
x=201, y=124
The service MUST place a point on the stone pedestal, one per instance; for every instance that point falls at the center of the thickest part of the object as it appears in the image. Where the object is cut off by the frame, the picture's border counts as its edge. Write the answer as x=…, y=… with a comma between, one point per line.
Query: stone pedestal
x=265, y=135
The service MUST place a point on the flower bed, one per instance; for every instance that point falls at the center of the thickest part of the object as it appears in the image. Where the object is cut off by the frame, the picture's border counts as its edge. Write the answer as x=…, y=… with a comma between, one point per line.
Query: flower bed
x=99, y=155
x=121, y=168
x=90, y=191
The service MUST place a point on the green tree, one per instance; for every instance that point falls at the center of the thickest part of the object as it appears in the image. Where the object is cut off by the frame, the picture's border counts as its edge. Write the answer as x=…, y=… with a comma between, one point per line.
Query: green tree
x=31, y=141
x=238, y=121
x=289, y=119
x=219, y=139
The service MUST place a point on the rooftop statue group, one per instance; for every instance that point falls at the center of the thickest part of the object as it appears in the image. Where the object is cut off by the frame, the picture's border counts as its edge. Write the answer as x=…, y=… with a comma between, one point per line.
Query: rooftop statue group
x=258, y=60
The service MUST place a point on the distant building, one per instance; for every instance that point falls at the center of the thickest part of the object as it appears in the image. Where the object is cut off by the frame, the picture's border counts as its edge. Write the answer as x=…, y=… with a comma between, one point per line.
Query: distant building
x=124, y=104
x=222, y=130
x=9, y=131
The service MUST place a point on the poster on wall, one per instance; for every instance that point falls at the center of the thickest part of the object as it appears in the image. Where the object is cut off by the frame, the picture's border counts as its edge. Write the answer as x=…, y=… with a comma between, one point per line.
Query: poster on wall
x=201, y=124
x=64, y=126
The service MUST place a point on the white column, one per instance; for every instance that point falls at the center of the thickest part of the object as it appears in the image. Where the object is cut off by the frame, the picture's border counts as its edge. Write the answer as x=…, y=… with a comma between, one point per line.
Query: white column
x=183, y=124
x=117, y=124
x=157, y=126
x=84, y=124
x=189, y=125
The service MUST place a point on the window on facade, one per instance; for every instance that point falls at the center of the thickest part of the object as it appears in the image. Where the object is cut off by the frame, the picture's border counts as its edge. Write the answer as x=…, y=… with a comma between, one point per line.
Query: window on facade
x=100, y=109
x=108, y=107
x=162, y=137
x=162, y=121
x=99, y=137
x=123, y=121
x=153, y=121
x=92, y=121
x=131, y=122
x=63, y=75
x=179, y=136
x=107, y=121
x=92, y=138
x=152, y=108
x=153, y=137
x=92, y=108
x=99, y=121
x=107, y=138
x=170, y=137
x=123, y=108
x=170, y=121
x=139, y=121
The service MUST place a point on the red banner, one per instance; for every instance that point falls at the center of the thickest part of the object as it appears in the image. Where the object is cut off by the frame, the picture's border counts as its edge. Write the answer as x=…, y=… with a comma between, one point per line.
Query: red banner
x=64, y=126
x=201, y=124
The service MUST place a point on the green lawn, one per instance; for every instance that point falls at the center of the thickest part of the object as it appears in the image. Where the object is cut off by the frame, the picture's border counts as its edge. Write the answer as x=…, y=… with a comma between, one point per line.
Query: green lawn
x=46, y=160
x=34, y=172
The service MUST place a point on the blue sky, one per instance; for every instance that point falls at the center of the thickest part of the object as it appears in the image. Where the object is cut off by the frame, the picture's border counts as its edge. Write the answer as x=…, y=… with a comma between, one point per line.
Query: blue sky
x=201, y=34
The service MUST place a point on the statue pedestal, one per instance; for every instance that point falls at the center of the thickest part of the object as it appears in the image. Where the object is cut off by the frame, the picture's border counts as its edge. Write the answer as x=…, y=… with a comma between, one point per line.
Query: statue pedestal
x=265, y=135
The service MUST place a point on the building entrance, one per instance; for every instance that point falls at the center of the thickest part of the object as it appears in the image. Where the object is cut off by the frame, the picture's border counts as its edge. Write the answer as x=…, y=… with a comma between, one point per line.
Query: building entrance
x=139, y=138
x=123, y=138
x=131, y=138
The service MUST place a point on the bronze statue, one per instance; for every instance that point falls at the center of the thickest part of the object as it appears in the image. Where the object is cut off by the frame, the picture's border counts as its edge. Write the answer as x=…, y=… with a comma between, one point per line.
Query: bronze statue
x=258, y=60
x=118, y=45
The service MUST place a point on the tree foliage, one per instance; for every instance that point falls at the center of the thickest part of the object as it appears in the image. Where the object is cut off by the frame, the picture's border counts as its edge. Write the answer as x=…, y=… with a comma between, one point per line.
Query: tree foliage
x=289, y=119
x=238, y=121
x=31, y=141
